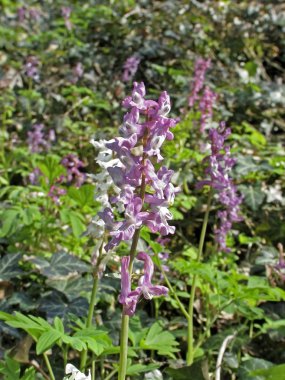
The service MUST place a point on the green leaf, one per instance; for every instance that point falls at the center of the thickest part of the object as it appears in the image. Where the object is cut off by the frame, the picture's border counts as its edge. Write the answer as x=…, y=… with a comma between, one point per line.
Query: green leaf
x=9, y=266
x=162, y=341
x=10, y=368
x=77, y=225
x=46, y=340
x=246, y=368
x=140, y=368
x=253, y=196
x=58, y=324
x=246, y=165
x=257, y=282
x=51, y=168
x=72, y=287
x=29, y=374
x=84, y=195
x=9, y=222
x=276, y=372
x=62, y=264
x=197, y=371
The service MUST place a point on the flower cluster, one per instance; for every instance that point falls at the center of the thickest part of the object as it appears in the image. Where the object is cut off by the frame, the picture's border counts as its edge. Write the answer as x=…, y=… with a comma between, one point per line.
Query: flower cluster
x=145, y=288
x=220, y=164
x=201, y=66
x=134, y=171
x=206, y=98
x=77, y=72
x=73, y=164
x=130, y=68
x=206, y=106
x=38, y=141
x=32, y=68
x=66, y=12
x=55, y=192
x=143, y=193
x=25, y=13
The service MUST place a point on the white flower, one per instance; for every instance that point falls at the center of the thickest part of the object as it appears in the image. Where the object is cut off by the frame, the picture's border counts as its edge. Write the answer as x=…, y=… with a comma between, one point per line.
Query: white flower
x=274, y=194
x=75, y=373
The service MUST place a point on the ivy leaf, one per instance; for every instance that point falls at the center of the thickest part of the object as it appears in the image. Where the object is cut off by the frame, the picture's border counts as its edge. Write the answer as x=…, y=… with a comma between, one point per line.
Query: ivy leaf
x=62, y=264
x=245, y=371
x=53, y=305
x=198, y=371
x=72, y=288
x=9, y=266
x=253, y=196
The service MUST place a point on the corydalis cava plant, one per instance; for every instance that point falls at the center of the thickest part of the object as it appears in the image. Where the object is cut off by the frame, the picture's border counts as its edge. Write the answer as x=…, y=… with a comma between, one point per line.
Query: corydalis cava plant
x=218, y=170
x=145, y=192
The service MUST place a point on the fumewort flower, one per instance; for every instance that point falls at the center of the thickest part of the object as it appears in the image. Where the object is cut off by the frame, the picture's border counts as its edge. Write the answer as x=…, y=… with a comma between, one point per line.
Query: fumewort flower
x=206, y=105
x=145, y=128
x=32, y=68
x=201, y=66
x=145, y=288
x=73, y=164
x=66, y=12
x=130, y=68
x=56, y=192
x=218, y=171
x=74, y=373
x=144, y=186
x=77, y=72
x=38, y=140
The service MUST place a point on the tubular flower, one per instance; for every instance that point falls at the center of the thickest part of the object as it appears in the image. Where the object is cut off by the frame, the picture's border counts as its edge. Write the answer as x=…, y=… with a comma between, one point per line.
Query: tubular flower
x=201, y=66
x=130, y=68
x=219, y=166
x=144, y=129
x=144, y=193
x=145, y=287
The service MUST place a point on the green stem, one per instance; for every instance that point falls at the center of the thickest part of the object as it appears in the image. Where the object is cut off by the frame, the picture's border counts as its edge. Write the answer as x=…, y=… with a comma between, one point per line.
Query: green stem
x=190, y=327
x=93, y=368
x=111, y=374
x=125, y=318
x=180, y=304
x=48, y=366
x=83, y=357
x=124, y=347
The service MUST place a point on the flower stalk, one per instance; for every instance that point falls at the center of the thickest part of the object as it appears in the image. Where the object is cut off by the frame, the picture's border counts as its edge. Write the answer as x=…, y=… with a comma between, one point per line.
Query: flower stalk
x=190, y=327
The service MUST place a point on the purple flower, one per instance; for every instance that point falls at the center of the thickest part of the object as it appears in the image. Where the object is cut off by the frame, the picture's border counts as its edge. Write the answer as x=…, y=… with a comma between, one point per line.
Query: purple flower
x=129, y=302
x=32, y=68
x=38, y=141
x=206, y=106
x=77, y=72
x=137, y=151
x=219, y=166
x=66, y=12
x=34, y=176
x=145, y=287
x=130, y=68
x=21, y=13
x=144, y=190
x=125, y=230
x=201, y=66
x=55, y=193
x=35, y=14
x=73, y=164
